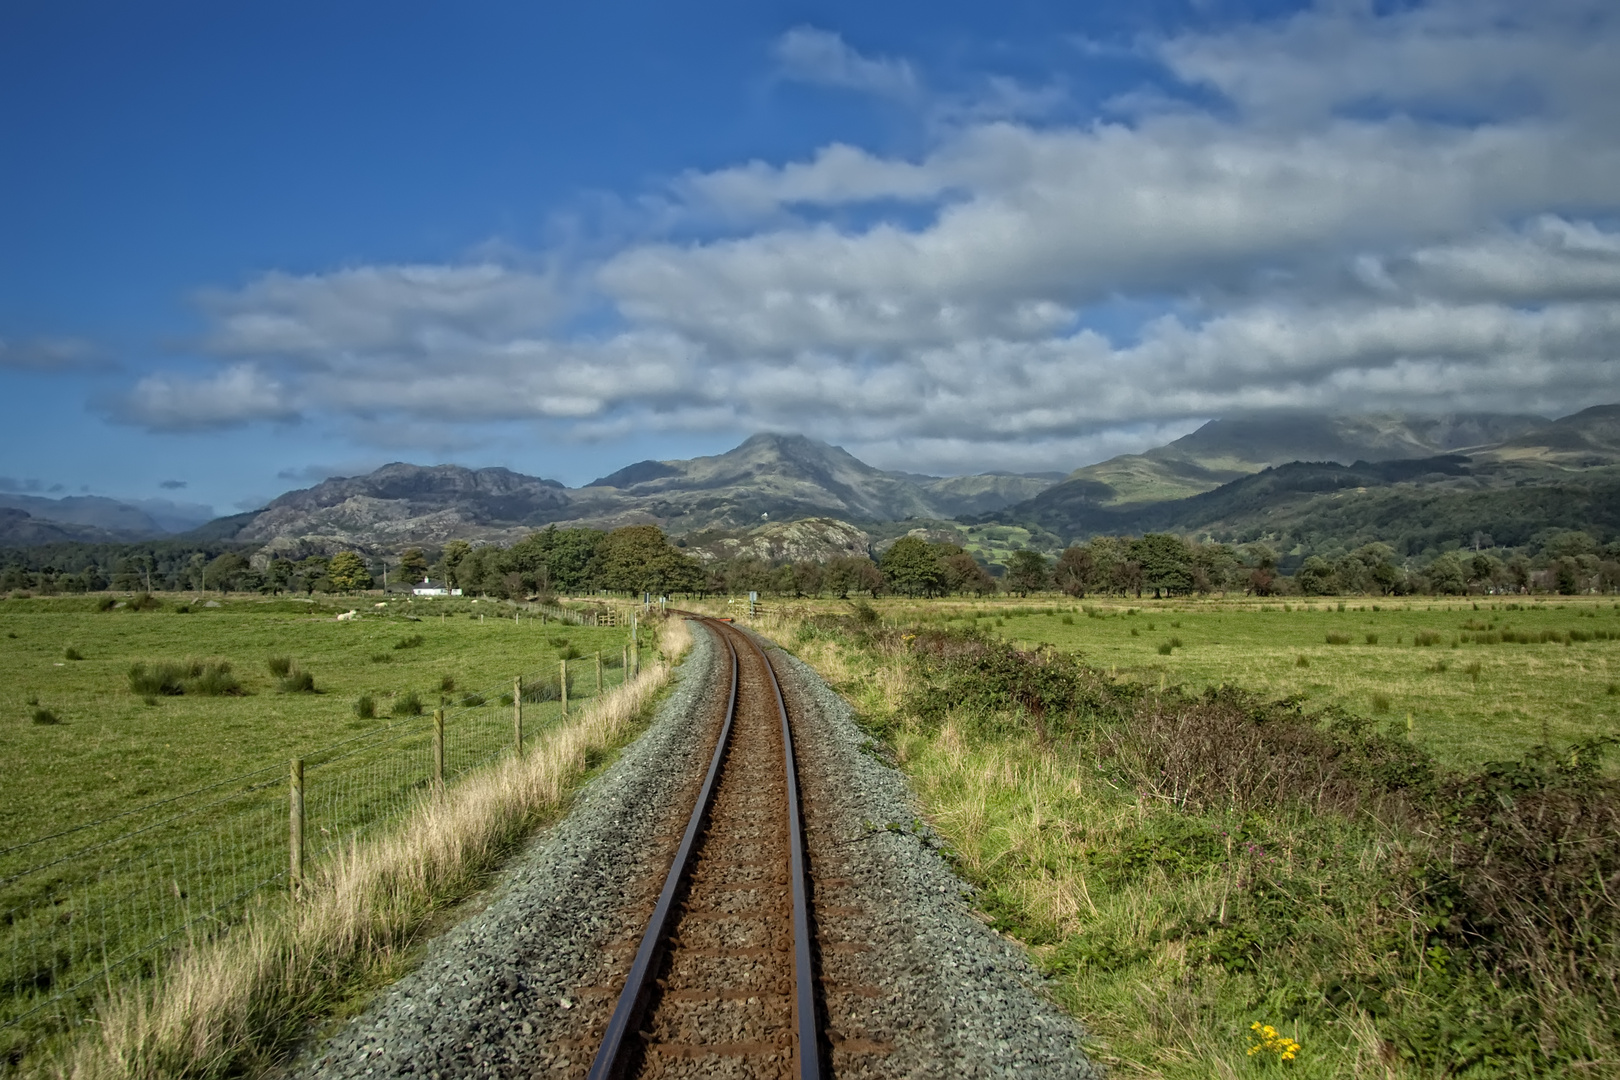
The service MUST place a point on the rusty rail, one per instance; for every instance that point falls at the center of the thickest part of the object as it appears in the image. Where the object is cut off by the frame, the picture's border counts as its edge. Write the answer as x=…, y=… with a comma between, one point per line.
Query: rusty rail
x=609, y=1059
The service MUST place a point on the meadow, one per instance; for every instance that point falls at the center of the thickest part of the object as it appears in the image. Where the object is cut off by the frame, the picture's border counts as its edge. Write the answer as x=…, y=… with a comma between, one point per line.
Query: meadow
x=1414, y=664
x=113, y=748
x=149, y=743
x=1215, y=828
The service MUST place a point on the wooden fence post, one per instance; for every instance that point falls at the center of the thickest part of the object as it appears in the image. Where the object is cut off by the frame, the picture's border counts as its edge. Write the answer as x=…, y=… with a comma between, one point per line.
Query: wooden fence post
x=438, y=747
x=624, y=663
x=599, y=673
x=635, y=646
x=564, y=681
x=295, y=827
x=517, y=714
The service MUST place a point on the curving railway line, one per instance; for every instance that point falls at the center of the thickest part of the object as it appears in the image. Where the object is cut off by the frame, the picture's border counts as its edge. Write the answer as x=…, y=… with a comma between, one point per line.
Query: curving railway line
x=706, y=909
x=724, y=977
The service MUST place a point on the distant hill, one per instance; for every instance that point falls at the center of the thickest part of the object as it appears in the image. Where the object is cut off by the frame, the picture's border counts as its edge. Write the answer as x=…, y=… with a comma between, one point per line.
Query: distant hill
x=118, y=520
x=1303, y=479
x=110, y=519
x=19, y=528
x=1226, y=449
x=768, y=478
x=1587, y=439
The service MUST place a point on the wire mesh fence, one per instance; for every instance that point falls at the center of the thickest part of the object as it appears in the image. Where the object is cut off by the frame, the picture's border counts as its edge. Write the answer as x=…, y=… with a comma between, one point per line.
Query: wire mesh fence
x=100, y=904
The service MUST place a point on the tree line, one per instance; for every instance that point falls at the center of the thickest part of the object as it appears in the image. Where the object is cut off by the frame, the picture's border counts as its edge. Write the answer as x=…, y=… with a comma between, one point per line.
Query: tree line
x=641, y=559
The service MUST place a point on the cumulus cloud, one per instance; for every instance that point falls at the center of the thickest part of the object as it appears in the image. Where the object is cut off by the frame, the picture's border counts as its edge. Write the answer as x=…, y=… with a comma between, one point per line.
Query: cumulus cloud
x=1299, y=249
x=810, y=55
x=240, y=394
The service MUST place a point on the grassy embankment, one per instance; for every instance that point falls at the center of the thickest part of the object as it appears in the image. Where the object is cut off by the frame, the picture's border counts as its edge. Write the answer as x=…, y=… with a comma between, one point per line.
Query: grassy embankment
x=1189, y=861
x=235, y=1003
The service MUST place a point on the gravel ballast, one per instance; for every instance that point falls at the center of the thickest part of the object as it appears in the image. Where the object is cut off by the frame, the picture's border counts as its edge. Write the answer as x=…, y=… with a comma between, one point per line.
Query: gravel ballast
x=960, y=1000
x=519, y=988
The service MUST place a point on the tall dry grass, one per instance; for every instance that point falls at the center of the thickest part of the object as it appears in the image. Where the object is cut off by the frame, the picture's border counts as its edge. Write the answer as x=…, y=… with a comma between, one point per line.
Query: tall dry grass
x=237, y=1003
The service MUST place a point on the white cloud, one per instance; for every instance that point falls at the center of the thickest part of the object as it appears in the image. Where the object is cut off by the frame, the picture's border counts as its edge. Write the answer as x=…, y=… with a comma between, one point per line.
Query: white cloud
x=1474, y=57
x=1306, y=257
x=241, y=393
x=818, y=56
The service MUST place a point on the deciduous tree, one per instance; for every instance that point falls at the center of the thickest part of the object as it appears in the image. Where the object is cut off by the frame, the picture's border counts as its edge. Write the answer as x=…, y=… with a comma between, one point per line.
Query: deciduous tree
x=347, y=572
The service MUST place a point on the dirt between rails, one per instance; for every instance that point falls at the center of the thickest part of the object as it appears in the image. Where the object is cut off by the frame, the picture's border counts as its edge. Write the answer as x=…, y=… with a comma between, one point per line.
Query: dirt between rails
x=910, y=984
x=721, y=1004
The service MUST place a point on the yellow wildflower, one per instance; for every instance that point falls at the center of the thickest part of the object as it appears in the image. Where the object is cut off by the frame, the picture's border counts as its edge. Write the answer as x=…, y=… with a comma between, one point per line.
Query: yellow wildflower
x=1268, y=1040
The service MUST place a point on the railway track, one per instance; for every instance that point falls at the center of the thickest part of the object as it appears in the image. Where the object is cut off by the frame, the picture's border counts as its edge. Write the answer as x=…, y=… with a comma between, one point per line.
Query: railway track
x=723, y=980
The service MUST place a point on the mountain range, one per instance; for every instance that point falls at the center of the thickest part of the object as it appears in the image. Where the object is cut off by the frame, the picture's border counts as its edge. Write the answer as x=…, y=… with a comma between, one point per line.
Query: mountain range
x=1367, y=478
x=1237, y=476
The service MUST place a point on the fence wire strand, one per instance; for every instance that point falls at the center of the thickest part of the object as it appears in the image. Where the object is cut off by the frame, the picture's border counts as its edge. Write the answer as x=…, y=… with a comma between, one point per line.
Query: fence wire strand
x=77, y=924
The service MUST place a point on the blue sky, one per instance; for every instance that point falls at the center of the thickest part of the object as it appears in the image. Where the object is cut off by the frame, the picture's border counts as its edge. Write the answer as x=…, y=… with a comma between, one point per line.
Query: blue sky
x=245, y=246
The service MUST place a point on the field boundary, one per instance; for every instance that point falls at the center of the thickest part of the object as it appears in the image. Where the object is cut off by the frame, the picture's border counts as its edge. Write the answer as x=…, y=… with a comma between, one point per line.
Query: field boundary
x=97, y=905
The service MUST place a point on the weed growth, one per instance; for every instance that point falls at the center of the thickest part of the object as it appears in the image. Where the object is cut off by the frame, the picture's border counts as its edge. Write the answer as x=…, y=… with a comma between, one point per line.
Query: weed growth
x=205, y=678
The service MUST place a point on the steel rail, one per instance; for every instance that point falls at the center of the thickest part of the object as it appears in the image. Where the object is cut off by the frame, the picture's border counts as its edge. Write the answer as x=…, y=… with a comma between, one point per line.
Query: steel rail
x=804, y=1005
x=625, y=1012
x=607, y=1062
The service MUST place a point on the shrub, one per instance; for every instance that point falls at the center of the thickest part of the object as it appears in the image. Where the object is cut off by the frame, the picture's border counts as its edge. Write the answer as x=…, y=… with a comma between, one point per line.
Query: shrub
x=407, y=704
x=296, y=682
x=1134, y=631
x=1165, y=648
x=1381, y=703
x=214, y=680
x=1426, y=638
x=106, y=603
x=471, y=700
x=365, y=707
x=45, y=716
x=1068, y=620
x=70, y=653
x=209, y=678
x=1338, y=639
x=1614, y=689
x=568, y=653
x=1175, y=642
x=144, y=602
x=1372, y=639
x=381, y=658
x=447, y=683
x=412, y=642
x=1524, y=867
x=149, y=700
x=279, y=665
x=165, y=678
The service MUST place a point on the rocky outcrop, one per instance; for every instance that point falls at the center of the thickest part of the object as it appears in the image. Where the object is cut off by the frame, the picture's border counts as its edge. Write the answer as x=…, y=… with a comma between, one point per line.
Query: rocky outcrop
x=769, y=480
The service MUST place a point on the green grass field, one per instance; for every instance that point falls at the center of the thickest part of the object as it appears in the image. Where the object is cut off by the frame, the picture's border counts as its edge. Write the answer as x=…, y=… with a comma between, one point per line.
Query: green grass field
x=112, y=750
x=134, y=812
x=1467, y=702
x=1179, y=893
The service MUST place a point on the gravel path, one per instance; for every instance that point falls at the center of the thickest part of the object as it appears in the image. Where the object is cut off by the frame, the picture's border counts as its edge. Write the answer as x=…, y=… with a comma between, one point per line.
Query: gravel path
x=958, y=999
x=517, y=989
